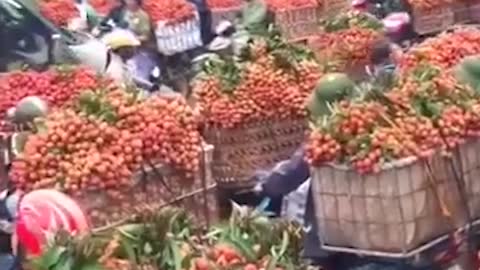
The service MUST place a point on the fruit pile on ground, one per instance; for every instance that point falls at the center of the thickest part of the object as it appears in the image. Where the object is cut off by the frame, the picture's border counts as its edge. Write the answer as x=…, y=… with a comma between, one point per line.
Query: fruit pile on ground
x=427, y=111
x=100, y=142
x=271, y=82
x=169, y=11
x=445, y=50
x=347, y=39
x=57, y=86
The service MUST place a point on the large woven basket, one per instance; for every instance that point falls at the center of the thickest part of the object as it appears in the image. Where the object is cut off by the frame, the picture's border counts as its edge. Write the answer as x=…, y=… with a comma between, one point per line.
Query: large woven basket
x=406, y=205
x=239, y=152
x=470, y=173
x=433, y=20
x=152, y=188
x=461, y=12
x=334, y=7
x=298, y=23
x=474, y=11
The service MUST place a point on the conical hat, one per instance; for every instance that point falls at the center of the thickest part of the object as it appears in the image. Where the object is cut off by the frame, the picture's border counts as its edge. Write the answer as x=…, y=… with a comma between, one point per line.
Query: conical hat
x=120, y=38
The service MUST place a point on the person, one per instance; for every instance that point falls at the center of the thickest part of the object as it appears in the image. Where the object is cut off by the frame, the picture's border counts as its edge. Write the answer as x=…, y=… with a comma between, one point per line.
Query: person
x=122, y=44
x=205, y=20
x=138, y=20
x=383, y=62
x=28, y=221
x=128, y=65
x=8, y=209
x=87, y=19
x=116, y=15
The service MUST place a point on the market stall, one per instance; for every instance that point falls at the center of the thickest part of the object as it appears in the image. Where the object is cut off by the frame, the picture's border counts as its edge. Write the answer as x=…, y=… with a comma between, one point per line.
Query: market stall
x=394, y=167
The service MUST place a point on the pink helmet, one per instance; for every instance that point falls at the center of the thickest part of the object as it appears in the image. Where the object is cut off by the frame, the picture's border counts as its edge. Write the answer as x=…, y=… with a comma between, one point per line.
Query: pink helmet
x=41, y=213
x=395, y=22
x=359, y=4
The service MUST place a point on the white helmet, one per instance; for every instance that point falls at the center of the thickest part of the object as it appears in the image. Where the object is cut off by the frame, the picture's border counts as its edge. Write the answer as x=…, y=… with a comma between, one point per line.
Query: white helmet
x=28, y=109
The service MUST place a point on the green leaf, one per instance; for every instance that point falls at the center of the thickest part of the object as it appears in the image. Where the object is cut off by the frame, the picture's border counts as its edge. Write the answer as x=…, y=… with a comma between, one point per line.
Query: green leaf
x=177, y=258
x=51, y=257
x=244, y=247
x=254, y=13
x=91, y=266
x=65, y=263
x=426, y=108
x=129, y=249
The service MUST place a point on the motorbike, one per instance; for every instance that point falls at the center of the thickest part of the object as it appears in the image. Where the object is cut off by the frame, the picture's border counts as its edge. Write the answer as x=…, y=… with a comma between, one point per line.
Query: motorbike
x=21, y=118
x=25, y=35
x=29, y=39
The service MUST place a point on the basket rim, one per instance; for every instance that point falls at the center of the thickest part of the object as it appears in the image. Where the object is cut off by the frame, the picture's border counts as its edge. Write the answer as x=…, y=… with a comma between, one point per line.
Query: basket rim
x=395, y=164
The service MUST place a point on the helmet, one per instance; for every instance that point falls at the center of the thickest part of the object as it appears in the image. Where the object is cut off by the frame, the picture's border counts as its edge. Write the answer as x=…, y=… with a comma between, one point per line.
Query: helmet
x=359, y=4
x=27, y=110
x=42, y=213
x=395, y=22
x=119, y=38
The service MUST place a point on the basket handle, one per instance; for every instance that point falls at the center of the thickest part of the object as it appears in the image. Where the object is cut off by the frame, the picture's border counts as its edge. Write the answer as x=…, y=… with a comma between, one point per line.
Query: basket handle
x=431, y=178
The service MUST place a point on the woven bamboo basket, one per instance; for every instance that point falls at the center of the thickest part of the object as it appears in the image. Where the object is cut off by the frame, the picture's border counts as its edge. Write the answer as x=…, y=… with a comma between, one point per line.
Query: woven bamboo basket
x=470, y=164
x=407, y=204
x=474, y=11
x=335, y=7
x=152, y=188
x=298, y=23
x=239, y=153
x=461, y=12
x=433, y=20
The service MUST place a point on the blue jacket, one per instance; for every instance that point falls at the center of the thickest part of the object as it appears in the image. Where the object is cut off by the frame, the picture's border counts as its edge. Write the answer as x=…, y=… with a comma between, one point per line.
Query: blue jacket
x=285, y=178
